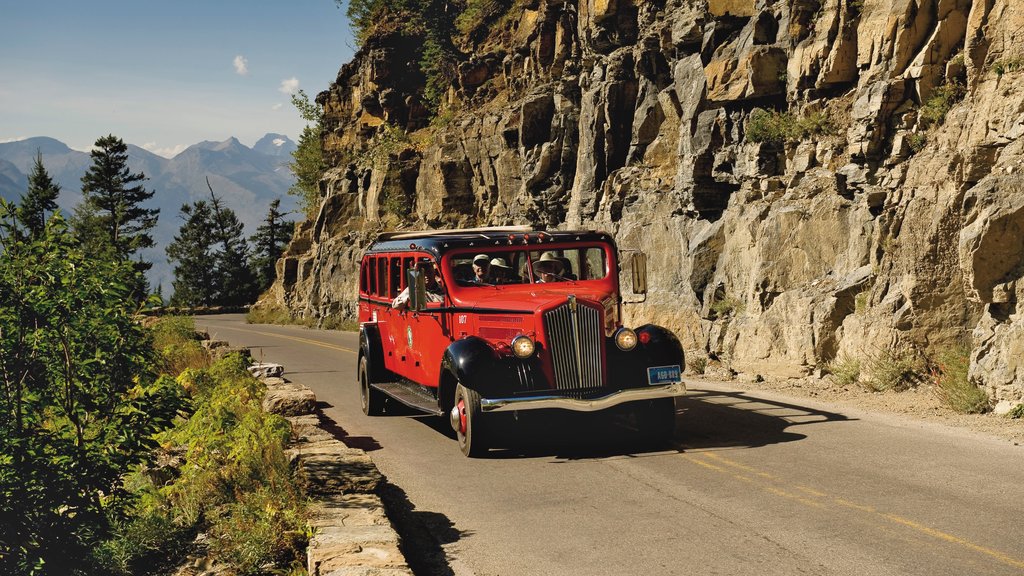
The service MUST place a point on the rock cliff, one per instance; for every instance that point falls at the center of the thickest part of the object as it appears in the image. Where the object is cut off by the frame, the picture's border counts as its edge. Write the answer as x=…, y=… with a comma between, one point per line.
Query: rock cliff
x=811, y=180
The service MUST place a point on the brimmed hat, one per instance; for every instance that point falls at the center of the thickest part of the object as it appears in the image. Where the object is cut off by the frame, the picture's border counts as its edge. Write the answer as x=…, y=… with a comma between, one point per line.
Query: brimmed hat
x=480, y=257
x=548, y=259
x=500, y=263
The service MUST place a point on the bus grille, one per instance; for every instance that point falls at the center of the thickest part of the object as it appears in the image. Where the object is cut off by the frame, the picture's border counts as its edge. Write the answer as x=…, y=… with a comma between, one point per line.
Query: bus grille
x=575, y=339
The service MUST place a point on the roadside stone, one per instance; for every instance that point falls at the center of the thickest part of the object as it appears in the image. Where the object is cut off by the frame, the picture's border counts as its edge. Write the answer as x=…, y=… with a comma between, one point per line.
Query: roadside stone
x=330, y=467
x=306, y=429
x=289, y=399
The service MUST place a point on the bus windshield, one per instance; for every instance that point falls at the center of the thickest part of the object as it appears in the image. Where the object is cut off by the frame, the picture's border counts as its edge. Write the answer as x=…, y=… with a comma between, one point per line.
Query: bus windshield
x=502, y=267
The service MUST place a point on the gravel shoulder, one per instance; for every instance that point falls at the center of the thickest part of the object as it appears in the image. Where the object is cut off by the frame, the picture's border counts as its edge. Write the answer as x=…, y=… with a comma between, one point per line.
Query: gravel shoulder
x=918, y=404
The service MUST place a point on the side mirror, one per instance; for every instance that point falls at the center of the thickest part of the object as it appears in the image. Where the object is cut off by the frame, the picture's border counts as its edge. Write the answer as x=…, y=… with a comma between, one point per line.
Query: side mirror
x=417, y=284
x=638, y=269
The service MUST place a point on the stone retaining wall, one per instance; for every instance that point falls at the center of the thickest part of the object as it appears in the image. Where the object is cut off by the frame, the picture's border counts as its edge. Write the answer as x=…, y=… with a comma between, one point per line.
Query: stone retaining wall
x=352, y=534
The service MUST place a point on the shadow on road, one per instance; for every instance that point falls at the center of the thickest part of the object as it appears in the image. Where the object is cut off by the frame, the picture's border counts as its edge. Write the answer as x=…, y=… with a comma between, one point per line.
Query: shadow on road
x=365, y=443
x=712, y=419
x=423, y=534
x=704, y=420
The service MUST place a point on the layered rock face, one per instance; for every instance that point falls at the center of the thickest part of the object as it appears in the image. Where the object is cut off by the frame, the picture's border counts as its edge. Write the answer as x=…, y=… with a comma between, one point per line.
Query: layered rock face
x=811, y=180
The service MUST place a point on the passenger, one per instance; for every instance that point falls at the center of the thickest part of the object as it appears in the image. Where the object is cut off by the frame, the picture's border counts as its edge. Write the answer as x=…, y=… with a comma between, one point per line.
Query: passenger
x=435, y=293
x=501, y=272
x=548, y=268
x=481, y=270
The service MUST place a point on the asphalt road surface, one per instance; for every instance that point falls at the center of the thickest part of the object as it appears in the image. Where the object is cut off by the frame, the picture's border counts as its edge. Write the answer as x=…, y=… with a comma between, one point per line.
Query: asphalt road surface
x=753, y=484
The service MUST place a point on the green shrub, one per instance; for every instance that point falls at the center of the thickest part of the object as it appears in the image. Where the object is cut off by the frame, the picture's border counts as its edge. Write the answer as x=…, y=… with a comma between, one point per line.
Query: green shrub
x=1004, y=65
x=777, y=128
x=145, y=544
x=234, y=480
x=942, y=100
x=698, y=364
x=917, y=141
x=263, y=526
x=952, y=385
x=891, y=369
x=845, y=369
x=726, y=307
x=477, y=13
x=1016, y=412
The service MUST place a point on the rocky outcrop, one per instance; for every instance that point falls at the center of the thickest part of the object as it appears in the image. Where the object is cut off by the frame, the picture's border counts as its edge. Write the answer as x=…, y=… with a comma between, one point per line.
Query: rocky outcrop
x=810, y=179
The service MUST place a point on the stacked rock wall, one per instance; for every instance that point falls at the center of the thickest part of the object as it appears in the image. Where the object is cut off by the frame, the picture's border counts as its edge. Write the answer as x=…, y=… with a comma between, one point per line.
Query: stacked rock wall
x=888, y=214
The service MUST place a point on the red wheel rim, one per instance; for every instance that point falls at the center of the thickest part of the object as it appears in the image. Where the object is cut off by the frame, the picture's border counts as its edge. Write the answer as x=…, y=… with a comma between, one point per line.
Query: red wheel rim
x=462, y=416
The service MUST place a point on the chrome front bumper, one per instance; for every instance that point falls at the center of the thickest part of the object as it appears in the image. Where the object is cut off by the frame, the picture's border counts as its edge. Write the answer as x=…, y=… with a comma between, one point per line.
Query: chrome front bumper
x=587, y=405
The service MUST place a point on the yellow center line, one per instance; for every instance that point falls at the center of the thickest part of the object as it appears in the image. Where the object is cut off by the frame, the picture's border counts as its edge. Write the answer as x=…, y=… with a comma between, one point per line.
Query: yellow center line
x=295, y=338
x=734, y=464
x=955, y=540
x=899, y=520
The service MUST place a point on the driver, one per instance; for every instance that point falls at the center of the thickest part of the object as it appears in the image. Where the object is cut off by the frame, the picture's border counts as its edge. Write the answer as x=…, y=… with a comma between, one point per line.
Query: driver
x=548, y=268
x=435, y=293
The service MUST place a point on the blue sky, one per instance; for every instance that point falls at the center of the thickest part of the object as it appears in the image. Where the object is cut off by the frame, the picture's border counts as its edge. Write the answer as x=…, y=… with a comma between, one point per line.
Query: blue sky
x=164, y=75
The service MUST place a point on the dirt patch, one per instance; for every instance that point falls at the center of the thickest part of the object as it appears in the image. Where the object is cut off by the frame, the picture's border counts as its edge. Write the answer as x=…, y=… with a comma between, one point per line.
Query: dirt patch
x=918, y=403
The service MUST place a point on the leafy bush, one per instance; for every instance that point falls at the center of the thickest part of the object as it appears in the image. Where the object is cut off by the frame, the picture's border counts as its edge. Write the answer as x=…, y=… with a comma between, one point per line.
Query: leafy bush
x=952, y=385
x=1016, y=412
x=81, y=402
x=235, y=473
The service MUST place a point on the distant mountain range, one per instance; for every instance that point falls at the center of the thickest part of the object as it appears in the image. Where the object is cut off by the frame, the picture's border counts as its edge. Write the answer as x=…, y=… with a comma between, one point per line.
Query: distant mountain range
x=246, y=179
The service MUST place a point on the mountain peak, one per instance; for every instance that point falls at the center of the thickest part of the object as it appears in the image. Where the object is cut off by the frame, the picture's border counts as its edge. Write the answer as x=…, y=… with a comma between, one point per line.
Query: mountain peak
x=275, y=145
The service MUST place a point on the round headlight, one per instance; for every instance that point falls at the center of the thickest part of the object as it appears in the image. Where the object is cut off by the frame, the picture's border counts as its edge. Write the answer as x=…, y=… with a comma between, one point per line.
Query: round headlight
x=625, y=339
x=522, y=346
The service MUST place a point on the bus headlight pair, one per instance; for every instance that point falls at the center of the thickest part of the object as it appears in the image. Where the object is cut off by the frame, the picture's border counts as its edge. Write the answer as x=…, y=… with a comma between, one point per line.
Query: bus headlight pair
x=524, y=347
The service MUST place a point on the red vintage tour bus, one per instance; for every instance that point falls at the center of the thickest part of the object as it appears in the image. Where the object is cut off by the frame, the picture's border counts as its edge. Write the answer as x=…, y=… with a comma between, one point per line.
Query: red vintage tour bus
x=470, y=322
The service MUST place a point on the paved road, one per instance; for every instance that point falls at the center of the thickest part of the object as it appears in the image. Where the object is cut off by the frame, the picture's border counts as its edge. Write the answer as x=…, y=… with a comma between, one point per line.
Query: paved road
x=755, y=484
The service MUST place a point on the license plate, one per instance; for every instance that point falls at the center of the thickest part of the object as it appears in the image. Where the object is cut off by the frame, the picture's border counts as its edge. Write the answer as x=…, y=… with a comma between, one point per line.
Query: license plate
x=664, y=374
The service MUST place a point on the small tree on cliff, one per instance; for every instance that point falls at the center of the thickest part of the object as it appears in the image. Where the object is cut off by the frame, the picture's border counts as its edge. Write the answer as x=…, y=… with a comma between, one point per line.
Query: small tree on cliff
x=269, y=241
x=308, y=163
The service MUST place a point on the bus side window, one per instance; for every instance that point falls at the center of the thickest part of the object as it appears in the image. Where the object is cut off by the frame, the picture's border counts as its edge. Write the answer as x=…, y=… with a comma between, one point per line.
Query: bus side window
x=382, y=276
x=371, y=276
x=395, y=283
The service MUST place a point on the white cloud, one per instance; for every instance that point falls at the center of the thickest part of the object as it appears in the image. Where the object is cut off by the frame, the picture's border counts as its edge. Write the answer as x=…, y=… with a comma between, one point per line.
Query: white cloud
x=241, y=65
x=277, y=106
x=165, y=152
x=289, y=86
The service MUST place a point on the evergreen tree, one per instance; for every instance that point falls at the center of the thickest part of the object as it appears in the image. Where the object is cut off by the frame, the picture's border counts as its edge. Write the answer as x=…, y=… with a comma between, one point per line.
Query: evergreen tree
x=39, y=201
x=111, y=216
x=192, y=253
x=236, y=284
x=269, y=241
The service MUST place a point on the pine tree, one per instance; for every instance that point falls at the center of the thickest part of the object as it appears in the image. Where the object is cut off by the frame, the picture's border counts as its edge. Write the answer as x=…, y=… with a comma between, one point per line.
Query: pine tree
x=111, y=214
x=192, y=253
x=40, y=199
x=236, y=280
x=269, y=241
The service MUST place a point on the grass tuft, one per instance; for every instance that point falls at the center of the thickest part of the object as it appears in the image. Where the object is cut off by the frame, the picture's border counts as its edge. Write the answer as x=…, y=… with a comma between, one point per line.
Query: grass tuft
x=952, y=385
